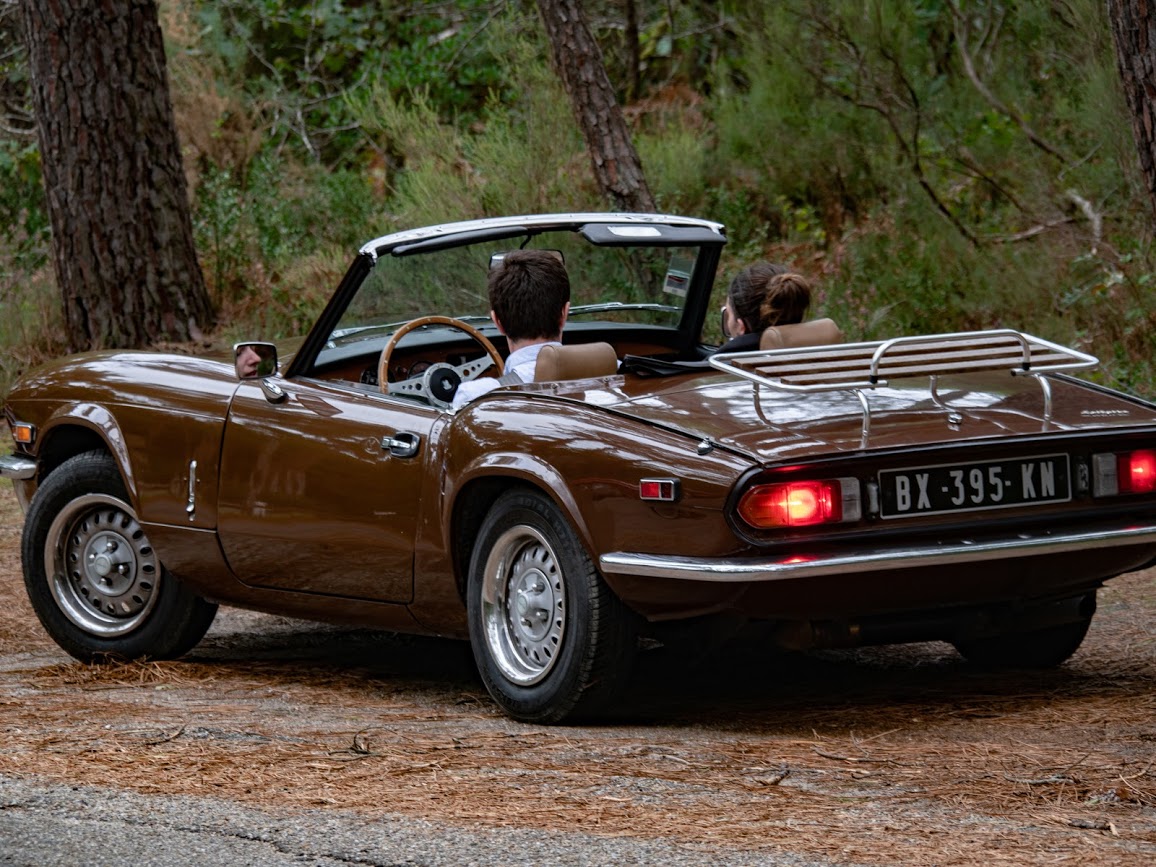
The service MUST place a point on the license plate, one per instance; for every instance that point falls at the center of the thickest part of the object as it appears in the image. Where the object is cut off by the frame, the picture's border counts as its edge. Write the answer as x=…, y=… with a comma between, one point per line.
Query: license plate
x=944, y=488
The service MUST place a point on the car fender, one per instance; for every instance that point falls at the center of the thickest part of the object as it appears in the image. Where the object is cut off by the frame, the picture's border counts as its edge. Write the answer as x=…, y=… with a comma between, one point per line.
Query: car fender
x=92, y=417
x=590, y=463
x=519, y=467
x=445, y=544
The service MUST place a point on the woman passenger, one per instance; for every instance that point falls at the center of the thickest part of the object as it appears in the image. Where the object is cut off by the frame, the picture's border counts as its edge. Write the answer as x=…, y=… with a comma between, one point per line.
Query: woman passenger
x=760, y=296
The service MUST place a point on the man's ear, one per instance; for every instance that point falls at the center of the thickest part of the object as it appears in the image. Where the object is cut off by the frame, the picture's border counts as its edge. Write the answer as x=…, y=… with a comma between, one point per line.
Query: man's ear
x=494, y=316
x=565, y=314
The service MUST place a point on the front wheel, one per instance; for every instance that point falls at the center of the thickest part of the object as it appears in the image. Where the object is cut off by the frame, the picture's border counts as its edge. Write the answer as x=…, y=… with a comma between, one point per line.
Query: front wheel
x=92, y=576
x=550, y=640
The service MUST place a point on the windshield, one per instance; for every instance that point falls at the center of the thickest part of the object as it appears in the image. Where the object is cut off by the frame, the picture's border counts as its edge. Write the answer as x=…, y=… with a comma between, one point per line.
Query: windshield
x=636, y=286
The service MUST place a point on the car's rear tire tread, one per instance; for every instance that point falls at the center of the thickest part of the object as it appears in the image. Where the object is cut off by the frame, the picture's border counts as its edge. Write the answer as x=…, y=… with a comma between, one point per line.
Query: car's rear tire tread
x=1036, y=649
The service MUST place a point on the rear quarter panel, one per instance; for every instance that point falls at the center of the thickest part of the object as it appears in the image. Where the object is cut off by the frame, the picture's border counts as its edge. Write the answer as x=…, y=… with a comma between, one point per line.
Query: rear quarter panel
x=589, y=461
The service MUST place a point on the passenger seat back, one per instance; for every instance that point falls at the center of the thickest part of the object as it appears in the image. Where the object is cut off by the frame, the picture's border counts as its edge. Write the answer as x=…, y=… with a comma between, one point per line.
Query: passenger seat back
x=575, y=361
x=817, y=332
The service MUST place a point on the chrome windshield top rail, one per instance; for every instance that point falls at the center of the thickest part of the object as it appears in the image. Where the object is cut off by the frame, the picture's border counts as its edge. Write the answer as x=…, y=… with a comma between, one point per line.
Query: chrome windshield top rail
x=534, y=223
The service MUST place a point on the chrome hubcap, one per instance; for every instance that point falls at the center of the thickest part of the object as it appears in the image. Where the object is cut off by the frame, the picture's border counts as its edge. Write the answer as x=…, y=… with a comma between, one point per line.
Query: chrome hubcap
x=101, y=568
x=523, y=605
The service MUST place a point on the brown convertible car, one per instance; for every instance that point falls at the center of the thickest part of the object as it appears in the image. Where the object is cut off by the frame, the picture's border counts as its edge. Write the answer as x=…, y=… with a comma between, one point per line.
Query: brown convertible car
x=960, y=487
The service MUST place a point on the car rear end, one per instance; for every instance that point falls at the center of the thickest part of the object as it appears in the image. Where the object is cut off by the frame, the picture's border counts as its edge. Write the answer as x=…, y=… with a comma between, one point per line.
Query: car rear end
x=958, y=506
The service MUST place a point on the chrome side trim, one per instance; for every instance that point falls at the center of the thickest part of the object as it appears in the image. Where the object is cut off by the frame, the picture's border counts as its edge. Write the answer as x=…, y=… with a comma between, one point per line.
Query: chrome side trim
x=789, y=566
x=191, y=504
x=17, y=468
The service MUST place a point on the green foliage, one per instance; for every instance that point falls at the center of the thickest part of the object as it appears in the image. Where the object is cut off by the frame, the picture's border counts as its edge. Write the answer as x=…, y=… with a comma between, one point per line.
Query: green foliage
x=300, y=58
x=934, y=165
x=260, y=238
x=966, y=170
x=24, y=229
x=522, y=155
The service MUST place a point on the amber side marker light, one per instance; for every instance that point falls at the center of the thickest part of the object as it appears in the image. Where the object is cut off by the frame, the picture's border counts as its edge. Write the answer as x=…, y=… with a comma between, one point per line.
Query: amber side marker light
x=1124, y=473
x=801, y=503
x=23, y=433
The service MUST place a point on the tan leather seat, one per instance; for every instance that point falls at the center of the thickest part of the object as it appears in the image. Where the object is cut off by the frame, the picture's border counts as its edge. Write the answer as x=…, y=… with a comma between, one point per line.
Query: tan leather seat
x=818, y=332
x=577, y=361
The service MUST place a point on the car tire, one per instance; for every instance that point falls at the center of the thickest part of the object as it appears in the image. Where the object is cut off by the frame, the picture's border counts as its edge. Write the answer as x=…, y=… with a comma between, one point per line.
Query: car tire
x=1035, y=649
x=91, y=575
x=551, y=641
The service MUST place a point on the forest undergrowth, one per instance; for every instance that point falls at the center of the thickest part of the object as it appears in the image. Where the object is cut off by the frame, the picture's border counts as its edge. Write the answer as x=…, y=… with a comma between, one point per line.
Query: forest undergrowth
x=935, y=166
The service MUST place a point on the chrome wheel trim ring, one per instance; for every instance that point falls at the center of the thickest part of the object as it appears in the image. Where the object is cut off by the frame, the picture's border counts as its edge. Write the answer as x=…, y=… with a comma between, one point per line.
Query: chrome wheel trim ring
x=523, y=605
x=100, y=567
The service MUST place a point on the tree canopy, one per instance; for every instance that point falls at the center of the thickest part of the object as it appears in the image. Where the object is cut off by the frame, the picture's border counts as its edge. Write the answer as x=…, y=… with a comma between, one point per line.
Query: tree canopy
x=935, y=165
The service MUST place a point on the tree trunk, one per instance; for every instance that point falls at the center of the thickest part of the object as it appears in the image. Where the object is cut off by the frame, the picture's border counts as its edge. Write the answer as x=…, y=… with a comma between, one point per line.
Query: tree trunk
x=116, y=190
x=1134, y=29
x=578, y=60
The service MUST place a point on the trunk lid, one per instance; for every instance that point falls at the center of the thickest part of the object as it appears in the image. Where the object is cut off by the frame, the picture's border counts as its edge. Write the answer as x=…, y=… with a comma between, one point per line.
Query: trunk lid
x=775, y=425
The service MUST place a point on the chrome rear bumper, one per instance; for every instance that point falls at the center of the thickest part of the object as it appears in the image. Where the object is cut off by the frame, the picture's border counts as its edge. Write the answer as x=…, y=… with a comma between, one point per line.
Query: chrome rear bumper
x=787, y=566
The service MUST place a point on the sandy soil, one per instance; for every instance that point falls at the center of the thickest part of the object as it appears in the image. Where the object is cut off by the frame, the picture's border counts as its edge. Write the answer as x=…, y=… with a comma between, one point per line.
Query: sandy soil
x=878, y=756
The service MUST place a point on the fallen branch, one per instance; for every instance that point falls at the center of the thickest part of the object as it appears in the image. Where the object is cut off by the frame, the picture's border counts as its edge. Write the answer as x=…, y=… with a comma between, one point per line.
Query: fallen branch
x=168, y=738
x=1061, y=777
x=1030, y=233
x=1043, y=781
x=1094, y=825
x=839, y=758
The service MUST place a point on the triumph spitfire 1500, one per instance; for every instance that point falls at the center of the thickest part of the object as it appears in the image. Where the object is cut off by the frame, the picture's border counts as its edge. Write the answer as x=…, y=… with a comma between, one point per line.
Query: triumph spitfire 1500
x=956, y=487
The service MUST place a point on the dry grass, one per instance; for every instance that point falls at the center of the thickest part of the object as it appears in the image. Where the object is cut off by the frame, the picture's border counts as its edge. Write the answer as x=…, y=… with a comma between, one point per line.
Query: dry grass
x=882, y=756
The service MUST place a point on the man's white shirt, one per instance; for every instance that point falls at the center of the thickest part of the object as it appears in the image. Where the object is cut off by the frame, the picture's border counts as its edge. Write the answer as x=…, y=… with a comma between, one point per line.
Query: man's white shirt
x=522, y=362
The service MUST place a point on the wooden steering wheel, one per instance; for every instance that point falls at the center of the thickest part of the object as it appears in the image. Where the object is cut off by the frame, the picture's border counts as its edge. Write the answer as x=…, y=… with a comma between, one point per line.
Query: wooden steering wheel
x=439, y=382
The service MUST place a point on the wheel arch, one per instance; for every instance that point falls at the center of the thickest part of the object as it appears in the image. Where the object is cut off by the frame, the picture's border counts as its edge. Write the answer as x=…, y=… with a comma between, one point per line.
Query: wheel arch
x=491, y=477
x=83, y=429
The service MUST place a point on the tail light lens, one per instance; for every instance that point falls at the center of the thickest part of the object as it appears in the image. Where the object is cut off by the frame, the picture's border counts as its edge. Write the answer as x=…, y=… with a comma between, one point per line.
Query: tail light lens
x=801, y=503
x=1124, y=473
x=1138, y=472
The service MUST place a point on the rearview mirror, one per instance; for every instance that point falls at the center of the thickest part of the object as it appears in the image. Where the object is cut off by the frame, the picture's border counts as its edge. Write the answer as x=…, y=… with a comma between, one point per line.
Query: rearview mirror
x=496, y=259
x=255, y=360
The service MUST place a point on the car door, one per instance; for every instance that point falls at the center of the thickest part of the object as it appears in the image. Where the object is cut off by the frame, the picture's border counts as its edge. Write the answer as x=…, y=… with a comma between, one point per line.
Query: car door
x=320, y=492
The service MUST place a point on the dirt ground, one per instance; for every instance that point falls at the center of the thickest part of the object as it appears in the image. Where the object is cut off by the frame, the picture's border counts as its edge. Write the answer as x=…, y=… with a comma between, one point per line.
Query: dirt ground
x=878, y=756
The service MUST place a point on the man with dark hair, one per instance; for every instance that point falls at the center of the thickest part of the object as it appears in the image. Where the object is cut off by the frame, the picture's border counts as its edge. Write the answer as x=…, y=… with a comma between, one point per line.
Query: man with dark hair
x=529, y=300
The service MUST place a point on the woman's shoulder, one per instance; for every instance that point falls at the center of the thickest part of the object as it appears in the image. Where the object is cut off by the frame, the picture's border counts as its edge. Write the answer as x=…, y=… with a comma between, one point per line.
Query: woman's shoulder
x=742, y=343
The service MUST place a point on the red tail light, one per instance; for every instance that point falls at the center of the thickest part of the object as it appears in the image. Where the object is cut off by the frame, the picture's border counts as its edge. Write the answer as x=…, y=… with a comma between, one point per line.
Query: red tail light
x=1137, y=472
x=800, y=503
x=1124, y=473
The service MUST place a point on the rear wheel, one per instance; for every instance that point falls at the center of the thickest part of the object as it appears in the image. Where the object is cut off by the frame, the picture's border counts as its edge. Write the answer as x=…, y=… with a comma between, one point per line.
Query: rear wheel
x=92, y=576
x=550, y=640
x=1044, y=647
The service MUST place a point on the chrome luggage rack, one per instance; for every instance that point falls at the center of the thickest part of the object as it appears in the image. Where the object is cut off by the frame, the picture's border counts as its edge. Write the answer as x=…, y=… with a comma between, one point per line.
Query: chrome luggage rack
x=861, y=367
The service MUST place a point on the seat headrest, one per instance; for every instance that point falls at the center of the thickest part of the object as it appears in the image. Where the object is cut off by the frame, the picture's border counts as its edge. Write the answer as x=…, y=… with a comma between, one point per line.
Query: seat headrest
x=818, y=332
x=577, y=361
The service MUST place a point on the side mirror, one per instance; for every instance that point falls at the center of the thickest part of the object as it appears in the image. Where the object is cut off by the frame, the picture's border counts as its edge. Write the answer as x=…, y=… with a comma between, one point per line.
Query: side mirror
x=255, y=360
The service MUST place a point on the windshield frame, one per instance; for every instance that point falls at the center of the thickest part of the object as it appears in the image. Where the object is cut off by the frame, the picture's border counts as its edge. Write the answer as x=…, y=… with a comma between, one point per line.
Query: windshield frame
x=646, y=231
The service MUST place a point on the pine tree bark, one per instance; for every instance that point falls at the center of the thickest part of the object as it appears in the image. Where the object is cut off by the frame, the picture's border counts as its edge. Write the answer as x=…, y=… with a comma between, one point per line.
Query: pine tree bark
x=580, y=65
x=1134, y=31
x=117, y=197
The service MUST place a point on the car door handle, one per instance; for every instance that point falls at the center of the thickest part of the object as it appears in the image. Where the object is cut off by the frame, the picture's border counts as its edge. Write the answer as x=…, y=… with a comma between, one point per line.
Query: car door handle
x=402, y=445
